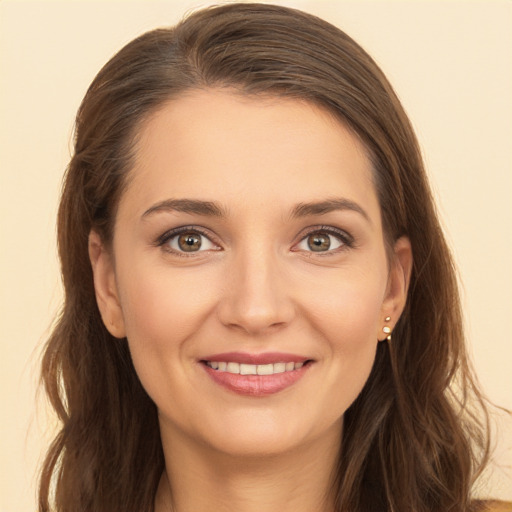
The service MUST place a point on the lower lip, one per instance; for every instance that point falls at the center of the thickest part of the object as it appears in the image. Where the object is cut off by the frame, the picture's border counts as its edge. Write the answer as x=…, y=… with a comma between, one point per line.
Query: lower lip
x=256, y=385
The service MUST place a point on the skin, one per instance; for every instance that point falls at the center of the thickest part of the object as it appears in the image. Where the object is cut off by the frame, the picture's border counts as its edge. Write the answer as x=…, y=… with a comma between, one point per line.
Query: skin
x=255, y=286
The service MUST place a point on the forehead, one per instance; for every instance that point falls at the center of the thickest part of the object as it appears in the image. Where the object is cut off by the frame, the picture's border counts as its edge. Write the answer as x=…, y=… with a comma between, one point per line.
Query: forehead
x=223, y=146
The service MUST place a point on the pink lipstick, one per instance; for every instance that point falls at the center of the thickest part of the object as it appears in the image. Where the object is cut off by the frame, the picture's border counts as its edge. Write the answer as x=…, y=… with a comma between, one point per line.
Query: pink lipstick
x=256, y=374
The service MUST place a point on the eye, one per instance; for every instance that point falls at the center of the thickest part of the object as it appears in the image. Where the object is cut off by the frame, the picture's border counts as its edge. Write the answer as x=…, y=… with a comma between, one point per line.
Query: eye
x=186, y=241
x=324, y=241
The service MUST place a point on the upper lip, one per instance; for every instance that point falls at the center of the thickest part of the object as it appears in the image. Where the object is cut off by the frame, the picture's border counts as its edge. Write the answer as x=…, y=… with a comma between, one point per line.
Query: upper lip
x=248, y=358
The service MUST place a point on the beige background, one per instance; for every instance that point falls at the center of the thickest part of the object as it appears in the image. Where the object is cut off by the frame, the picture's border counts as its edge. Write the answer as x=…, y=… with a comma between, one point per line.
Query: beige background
x=450, y=62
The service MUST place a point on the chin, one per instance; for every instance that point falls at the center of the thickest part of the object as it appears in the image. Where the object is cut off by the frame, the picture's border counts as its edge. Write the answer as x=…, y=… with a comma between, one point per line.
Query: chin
x=262, y=437
x=257, y=446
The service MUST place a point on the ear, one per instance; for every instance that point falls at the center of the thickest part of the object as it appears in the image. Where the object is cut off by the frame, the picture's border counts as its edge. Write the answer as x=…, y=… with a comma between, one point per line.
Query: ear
x=105, y=286
x=398, y=285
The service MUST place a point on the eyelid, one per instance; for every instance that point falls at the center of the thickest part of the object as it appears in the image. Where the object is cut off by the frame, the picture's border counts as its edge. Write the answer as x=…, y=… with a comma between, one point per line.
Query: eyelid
x=164, y=238
x=346, y=238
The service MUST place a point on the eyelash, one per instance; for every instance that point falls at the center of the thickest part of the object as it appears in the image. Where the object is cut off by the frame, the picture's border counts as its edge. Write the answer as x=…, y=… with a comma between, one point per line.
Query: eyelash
x=347, y=241
x=166, y=237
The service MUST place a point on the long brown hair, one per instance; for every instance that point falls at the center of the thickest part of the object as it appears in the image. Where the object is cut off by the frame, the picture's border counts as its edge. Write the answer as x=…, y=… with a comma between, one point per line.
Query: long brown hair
x=415, y=438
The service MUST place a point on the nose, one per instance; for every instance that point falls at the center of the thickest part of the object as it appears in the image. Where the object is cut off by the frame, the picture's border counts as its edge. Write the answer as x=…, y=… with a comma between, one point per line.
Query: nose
x=257, y=297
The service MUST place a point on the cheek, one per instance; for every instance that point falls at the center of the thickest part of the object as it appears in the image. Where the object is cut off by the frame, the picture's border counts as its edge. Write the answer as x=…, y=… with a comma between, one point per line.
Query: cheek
x=161, y=306
x=348, y=309
x=162, y=311
x=346, y=321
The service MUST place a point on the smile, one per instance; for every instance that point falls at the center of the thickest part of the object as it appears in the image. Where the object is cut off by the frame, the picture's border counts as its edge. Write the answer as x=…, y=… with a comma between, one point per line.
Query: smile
x=256, y=374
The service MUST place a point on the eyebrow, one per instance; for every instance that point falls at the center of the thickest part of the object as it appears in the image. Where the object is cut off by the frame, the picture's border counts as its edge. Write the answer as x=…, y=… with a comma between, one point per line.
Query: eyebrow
x=324, y=207
x=212, y=209
x=195, y=206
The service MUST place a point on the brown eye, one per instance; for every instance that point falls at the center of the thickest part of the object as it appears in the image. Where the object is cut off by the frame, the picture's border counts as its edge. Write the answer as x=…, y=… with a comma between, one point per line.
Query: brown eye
x=319, y=242
x=325, y=241
x=189, y=242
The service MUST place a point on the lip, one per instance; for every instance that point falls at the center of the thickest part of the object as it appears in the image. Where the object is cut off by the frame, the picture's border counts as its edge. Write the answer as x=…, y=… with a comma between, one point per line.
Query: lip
x=256, y=385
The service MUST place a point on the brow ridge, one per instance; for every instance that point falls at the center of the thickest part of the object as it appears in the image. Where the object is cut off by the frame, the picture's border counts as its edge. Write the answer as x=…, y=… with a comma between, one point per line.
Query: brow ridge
x=212, y=209
x=195, y=206
x=328, y=206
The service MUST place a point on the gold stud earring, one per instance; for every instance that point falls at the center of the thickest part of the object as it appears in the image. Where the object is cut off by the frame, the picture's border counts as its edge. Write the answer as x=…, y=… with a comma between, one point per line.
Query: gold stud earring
x=386, y=329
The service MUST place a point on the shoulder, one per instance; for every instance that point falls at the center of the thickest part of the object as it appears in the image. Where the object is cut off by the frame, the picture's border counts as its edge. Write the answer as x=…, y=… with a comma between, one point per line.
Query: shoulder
x=496, y=506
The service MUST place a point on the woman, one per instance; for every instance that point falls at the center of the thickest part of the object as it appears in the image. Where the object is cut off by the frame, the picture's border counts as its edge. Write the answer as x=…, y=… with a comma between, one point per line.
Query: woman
x=260, y=304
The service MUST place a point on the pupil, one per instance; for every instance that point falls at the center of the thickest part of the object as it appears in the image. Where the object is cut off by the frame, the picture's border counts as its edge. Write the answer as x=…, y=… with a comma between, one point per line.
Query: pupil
x=319, y=242
x=189, y=242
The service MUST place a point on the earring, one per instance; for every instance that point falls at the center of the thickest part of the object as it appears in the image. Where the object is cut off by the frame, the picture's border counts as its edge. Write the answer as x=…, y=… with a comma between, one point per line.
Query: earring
x=386, y=329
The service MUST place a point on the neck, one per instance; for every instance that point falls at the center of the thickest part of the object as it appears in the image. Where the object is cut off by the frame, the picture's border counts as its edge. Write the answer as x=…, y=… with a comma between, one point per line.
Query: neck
x=203, y=479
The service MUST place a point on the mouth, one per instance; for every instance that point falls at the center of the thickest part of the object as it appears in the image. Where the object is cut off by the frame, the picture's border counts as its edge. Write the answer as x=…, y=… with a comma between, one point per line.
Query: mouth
x=256, y=375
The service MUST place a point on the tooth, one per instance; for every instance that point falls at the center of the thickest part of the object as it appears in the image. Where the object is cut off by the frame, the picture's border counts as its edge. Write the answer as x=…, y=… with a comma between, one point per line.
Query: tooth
x=248, y=369
x=233, y=367
x=265, y=369
x=279, y=367
x=253, y=369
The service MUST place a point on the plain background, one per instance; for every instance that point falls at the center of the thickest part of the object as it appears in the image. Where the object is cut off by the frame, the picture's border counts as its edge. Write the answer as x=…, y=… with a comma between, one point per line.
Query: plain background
x=450, y=63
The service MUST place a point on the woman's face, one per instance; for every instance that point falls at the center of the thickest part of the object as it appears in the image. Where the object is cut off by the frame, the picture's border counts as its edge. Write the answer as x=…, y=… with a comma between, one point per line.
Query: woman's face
x=249, y=271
